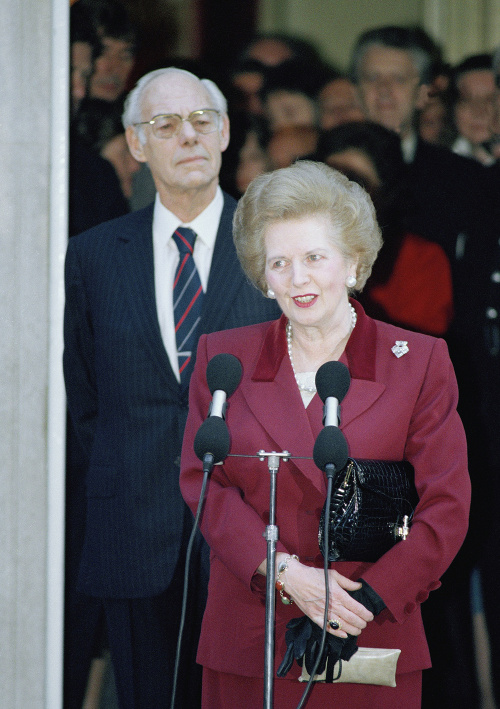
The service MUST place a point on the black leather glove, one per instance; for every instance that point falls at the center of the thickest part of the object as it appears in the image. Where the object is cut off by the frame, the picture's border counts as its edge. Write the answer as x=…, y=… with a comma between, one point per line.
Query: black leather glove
x=303, y=640
x=368, y=598
x=303, y=637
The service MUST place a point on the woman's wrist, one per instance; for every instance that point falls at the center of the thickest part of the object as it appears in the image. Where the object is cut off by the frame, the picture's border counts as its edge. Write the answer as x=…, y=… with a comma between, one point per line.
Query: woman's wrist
x=281, y=568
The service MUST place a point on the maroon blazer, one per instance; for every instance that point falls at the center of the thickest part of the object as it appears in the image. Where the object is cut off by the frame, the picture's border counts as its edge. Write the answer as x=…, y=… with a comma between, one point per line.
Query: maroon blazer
x=395, y=409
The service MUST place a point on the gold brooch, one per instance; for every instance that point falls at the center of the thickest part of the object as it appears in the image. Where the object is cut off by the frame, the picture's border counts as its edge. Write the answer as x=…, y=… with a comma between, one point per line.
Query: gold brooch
x=400, y=348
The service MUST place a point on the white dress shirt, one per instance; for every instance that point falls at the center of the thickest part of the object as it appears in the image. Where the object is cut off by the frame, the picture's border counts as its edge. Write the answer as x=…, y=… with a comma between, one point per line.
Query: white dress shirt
x=464, y=147
x=409, y=147
x=166, y=259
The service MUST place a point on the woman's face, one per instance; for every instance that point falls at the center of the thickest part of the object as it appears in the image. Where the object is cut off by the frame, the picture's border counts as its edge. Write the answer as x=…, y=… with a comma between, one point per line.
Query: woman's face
x=307, y=272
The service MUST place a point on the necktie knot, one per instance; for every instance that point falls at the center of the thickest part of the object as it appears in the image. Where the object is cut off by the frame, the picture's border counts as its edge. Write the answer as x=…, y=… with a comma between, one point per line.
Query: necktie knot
x=184, y=239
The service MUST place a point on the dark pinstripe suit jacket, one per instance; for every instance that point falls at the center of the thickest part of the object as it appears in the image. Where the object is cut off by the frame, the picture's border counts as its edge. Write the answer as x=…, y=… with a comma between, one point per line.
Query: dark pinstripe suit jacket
x=127, y=407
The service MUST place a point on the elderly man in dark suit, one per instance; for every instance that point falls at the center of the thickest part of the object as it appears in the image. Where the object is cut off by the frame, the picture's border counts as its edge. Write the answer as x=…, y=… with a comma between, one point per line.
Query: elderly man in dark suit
x=127, y=372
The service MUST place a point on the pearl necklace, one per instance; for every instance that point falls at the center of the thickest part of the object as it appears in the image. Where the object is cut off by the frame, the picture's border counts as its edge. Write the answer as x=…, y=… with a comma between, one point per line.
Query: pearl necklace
x=303, y=387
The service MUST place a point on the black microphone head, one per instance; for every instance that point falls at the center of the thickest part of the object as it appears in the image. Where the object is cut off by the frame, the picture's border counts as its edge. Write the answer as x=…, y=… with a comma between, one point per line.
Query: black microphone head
x=330, y=448
x=332, y=379
x=224, y=373
x=212, y=437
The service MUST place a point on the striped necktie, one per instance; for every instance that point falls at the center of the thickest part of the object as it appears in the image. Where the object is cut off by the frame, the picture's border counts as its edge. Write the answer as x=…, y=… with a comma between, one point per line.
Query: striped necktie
x=188, y=297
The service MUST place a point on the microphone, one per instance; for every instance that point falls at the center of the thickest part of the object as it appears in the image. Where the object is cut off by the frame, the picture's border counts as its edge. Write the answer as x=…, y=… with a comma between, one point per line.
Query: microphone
x=330, y=451
x=223, y=376
x=212, y=441
x=332, y=384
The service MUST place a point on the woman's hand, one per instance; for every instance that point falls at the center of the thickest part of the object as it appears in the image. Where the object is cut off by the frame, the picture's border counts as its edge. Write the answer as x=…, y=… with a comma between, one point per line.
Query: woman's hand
x=306, y=587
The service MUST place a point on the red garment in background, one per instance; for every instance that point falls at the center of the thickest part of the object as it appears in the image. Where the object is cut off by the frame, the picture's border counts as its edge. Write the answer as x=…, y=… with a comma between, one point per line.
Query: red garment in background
x=419, y=292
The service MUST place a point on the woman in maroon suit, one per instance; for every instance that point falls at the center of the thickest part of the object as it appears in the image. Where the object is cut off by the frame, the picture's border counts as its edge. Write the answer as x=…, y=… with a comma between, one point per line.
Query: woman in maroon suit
x=308, y=237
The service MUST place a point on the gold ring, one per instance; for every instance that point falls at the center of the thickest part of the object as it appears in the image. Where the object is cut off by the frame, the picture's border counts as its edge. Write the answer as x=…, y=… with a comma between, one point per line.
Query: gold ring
x=335, y=624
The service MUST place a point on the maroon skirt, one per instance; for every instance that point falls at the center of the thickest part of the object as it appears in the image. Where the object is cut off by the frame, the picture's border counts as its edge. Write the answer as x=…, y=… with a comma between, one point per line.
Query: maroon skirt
x=226, y=691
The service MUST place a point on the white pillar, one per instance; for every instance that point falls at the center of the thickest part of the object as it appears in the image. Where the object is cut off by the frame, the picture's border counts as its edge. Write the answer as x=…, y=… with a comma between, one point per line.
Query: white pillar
x=463, y=27
x=33, y=76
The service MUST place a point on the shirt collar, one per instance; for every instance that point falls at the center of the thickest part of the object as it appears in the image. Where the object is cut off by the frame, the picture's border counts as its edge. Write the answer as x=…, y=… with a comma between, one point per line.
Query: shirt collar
x=409, y=147
x=205, y=224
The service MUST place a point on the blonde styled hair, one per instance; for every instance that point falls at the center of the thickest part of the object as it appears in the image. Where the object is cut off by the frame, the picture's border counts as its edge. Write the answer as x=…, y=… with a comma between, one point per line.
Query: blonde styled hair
x=306, y=189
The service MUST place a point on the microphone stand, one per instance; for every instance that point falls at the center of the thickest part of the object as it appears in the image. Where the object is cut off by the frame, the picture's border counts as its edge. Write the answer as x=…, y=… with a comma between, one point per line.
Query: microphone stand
x=271, y=536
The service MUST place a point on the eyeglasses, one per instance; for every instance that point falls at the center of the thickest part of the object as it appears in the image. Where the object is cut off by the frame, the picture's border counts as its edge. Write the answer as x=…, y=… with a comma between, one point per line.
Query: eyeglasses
x=204, y=121
x=375, y=79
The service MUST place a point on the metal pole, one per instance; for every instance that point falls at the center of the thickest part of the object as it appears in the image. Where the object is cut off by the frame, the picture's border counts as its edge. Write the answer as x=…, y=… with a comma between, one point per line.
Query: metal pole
x=271, y=535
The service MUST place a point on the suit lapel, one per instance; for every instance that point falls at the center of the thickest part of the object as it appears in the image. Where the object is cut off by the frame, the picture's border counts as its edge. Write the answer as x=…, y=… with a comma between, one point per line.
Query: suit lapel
x=275, y=400
x=360, y=356
x=226, y=275
x=136, y=270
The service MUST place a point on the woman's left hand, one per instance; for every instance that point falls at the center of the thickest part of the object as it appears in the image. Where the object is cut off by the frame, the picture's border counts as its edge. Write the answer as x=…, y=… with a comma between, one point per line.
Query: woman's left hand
x=306, y=586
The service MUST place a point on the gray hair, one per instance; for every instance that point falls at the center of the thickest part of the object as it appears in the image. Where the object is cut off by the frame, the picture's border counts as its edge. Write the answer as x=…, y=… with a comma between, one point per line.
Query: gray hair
x=403, y=38
x=132, y=112
x=306, y=189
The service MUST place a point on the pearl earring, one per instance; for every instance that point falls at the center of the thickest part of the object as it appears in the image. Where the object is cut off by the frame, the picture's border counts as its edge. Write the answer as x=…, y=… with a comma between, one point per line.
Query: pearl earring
x=271, y=293
x=351, y=281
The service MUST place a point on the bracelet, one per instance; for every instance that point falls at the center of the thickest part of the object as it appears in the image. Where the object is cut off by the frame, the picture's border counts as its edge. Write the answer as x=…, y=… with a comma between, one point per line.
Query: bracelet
x=280, y=585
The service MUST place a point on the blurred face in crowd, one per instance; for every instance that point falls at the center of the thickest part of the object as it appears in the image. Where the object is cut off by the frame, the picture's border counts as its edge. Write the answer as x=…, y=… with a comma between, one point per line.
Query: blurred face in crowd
x=390, y=89
x=117, y=152
x=289, y=108
x=432, y=120
x=356, y=165
x=290, y=143
x=188, y=162
x=81, y=70
x=112, y=69
x=475, y=108
x=252, y=161
x=338, y=103
x=250, y=83
x=270, y=52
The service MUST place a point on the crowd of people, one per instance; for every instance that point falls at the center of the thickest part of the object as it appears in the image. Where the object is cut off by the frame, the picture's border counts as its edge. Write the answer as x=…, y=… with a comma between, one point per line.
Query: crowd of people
x=161, y=162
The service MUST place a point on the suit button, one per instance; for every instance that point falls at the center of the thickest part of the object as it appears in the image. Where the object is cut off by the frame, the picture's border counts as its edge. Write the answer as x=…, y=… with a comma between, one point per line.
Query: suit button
x=434, y=585
x=422, y=596
x=177, y=461
x=410, y=608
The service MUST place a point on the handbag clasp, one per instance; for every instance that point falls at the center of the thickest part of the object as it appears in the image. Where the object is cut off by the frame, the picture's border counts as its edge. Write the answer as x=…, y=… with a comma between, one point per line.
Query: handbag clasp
x=402, y=530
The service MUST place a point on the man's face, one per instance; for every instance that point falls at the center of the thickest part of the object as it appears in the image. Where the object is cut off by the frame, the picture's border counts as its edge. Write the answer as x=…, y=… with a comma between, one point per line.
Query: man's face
x=188, y=162
x=475, y=108
x=112, y=69
x=81, y=70
x=338, y=103
x=389, y=88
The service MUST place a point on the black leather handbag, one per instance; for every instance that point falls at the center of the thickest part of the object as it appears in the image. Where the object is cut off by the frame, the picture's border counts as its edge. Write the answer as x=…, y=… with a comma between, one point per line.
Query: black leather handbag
x=371, y=509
